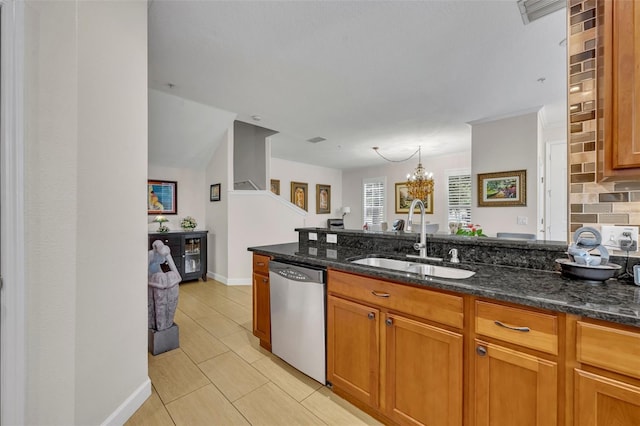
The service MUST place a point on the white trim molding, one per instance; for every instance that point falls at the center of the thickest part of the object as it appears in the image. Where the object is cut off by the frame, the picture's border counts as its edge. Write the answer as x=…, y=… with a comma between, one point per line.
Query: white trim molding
x=228, y=281
x=12, y=254
x=130, y=405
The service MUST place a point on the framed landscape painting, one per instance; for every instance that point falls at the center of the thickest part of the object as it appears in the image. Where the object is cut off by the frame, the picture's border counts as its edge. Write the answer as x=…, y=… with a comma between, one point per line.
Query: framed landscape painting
x=502, y=189
x=162, y=197
x=403, y=200
x=275, y=186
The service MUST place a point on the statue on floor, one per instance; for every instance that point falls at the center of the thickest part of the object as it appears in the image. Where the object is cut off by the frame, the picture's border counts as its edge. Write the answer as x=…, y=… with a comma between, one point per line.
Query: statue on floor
x=163, y=287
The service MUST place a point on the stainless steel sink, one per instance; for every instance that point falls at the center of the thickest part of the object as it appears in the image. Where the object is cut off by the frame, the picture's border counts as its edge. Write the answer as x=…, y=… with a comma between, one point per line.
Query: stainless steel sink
x=415, y=268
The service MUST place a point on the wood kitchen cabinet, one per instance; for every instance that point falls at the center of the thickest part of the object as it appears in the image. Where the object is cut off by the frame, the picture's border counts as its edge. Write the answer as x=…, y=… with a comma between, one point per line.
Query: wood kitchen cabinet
x=609, y=395
x=406, y=369
x=514, y=388
x=514, y=385
x=619, y=88
x=261, y=301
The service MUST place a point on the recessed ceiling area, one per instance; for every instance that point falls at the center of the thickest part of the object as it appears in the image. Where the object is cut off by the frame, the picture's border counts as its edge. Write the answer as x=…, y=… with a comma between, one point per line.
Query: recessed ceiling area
x=391, y=74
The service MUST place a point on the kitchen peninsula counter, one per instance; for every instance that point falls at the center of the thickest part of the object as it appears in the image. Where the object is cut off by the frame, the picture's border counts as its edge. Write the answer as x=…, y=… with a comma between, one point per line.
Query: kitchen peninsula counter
x=610, y=301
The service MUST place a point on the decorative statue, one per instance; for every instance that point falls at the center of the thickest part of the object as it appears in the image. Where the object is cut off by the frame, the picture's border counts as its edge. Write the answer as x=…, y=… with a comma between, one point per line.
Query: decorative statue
x=163, y=287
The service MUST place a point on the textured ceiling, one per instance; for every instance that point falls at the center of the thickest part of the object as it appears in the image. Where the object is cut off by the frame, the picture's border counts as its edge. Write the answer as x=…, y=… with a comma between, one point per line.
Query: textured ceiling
x=393, y=74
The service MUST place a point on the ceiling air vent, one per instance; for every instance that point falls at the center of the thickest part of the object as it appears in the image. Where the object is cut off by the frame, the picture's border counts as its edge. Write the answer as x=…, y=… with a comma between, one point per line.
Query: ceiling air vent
x=316, y=139
x=536, y=9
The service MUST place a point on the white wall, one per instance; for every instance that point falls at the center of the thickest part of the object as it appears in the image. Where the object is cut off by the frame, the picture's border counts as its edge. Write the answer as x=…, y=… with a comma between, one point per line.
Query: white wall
x=288, y=171
x=86, y=168
x=217, y=214
x=504, y=145
x=257, y=218
x=395, y=173
x=193, y=195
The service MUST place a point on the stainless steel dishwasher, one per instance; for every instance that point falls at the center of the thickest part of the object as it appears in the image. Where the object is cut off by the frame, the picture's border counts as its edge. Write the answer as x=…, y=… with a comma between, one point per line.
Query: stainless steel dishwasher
x=297, y=295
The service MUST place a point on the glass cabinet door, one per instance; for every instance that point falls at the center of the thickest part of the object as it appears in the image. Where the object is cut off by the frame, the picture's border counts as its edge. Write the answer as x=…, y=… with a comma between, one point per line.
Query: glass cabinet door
x=192, y=248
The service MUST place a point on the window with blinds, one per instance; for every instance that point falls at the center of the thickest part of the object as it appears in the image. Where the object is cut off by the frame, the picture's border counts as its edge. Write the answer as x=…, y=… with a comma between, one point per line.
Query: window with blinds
x=373, y=200
x=459, y=197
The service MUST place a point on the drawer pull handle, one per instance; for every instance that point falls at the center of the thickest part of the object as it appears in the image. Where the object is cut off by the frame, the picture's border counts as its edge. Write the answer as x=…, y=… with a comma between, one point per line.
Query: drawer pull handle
x=501, y=324
x=260, y=263
x=376, y=294
x=371, y=315
x=389, y=322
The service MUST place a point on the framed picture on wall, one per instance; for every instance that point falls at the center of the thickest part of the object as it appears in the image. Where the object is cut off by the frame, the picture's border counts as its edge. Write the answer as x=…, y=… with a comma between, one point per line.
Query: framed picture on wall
x=299, y=194
x=403, y=200
x=275, y=186
x=162, y=197
x=214, y=192
x=502, y=189
x=323, y=199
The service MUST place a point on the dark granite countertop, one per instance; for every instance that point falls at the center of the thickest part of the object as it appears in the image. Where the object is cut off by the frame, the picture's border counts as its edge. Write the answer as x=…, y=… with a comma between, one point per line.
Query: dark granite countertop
x=610, y=301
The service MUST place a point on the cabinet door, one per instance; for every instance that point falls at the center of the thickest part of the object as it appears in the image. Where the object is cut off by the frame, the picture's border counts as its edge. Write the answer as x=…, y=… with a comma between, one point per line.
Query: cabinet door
x=601, y=401
x=261, y=309
x=514, y=388
x=424, y=373
x=353, y=348
x=621, y=35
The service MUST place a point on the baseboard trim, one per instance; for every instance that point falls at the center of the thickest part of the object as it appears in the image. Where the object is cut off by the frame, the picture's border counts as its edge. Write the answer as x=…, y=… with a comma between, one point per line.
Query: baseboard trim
x=130, y=405
x=230, y=282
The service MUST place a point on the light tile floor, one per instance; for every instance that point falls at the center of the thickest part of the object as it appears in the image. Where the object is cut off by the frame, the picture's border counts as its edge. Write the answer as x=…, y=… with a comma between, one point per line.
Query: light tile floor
x=221, y=376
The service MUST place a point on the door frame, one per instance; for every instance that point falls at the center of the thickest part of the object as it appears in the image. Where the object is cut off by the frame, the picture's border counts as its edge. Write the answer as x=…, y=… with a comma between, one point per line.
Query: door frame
x=12, y=236
x=547, y=188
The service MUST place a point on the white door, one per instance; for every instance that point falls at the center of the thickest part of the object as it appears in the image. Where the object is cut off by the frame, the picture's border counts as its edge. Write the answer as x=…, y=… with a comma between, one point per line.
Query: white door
x=556, y=207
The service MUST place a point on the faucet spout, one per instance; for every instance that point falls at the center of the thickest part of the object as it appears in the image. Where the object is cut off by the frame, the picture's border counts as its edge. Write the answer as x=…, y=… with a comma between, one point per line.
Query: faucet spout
x=422, y=245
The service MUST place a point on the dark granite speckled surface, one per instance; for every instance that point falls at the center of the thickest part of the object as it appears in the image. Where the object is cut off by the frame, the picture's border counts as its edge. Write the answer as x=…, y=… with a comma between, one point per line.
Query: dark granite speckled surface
x=610, y=301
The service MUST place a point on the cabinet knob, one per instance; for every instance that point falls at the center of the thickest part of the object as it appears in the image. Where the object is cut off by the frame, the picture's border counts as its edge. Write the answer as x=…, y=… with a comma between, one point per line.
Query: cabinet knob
x=371, y=315
x=389, y=322
x=264, y=280
x=481, y=350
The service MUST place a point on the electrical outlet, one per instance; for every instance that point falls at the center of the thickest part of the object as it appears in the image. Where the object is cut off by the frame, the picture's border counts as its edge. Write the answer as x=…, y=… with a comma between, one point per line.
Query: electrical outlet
x=522, y=220
x=332, y=238
x=313, y=236
x=624, y=238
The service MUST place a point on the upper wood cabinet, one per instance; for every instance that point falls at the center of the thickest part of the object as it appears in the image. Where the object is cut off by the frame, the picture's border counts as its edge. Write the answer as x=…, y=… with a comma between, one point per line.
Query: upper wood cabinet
x=619, y=89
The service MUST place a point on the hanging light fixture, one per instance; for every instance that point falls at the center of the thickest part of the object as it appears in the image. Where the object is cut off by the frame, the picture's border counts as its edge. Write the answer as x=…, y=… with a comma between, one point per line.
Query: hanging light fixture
x=420, y=182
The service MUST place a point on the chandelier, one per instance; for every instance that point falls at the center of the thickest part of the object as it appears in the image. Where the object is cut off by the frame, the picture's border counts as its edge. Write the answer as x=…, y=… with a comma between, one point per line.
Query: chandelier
x=420, y=182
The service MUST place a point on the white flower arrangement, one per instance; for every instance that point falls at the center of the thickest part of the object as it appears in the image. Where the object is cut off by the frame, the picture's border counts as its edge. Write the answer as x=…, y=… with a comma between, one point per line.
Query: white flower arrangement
x=188, y=223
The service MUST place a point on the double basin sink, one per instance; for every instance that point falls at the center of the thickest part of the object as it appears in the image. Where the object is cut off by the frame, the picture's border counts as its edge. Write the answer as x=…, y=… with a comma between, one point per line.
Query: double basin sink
x=414, y=267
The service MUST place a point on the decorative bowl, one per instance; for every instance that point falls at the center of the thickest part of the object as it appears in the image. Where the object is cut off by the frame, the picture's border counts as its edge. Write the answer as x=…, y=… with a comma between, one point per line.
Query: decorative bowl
x=595, y=273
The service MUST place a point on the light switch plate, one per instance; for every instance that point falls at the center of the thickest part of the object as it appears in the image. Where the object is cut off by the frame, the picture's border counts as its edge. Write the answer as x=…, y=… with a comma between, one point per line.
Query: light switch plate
x=332, y=238
x=522, y=220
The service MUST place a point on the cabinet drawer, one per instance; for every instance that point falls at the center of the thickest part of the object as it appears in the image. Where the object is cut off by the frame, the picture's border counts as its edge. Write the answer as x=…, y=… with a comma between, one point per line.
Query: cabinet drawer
x=260, y=264
x=522, y=327
x=440, y=307
x=609, y=348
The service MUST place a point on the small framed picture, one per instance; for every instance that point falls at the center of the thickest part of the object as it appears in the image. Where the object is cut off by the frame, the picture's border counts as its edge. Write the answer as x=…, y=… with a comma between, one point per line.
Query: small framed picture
x=162, y=197
x=275, y=186
x=502, y=189
x=299, y=194
x=323, y=199
x=403, y=200
x=214, y=192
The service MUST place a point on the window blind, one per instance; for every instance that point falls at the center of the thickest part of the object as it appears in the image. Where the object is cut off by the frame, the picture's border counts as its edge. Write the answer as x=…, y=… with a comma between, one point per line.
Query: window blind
x=459, y=198
x=373, y=201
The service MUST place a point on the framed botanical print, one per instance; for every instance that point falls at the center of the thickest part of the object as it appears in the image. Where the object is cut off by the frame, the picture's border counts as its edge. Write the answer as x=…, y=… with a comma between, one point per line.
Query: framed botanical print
x=299, y=194
x=323, y=199
x=275, y=186
x=214, y=192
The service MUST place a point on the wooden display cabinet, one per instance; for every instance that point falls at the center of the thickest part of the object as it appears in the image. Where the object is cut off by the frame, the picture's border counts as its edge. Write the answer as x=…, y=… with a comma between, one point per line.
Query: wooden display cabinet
x=188, y=250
